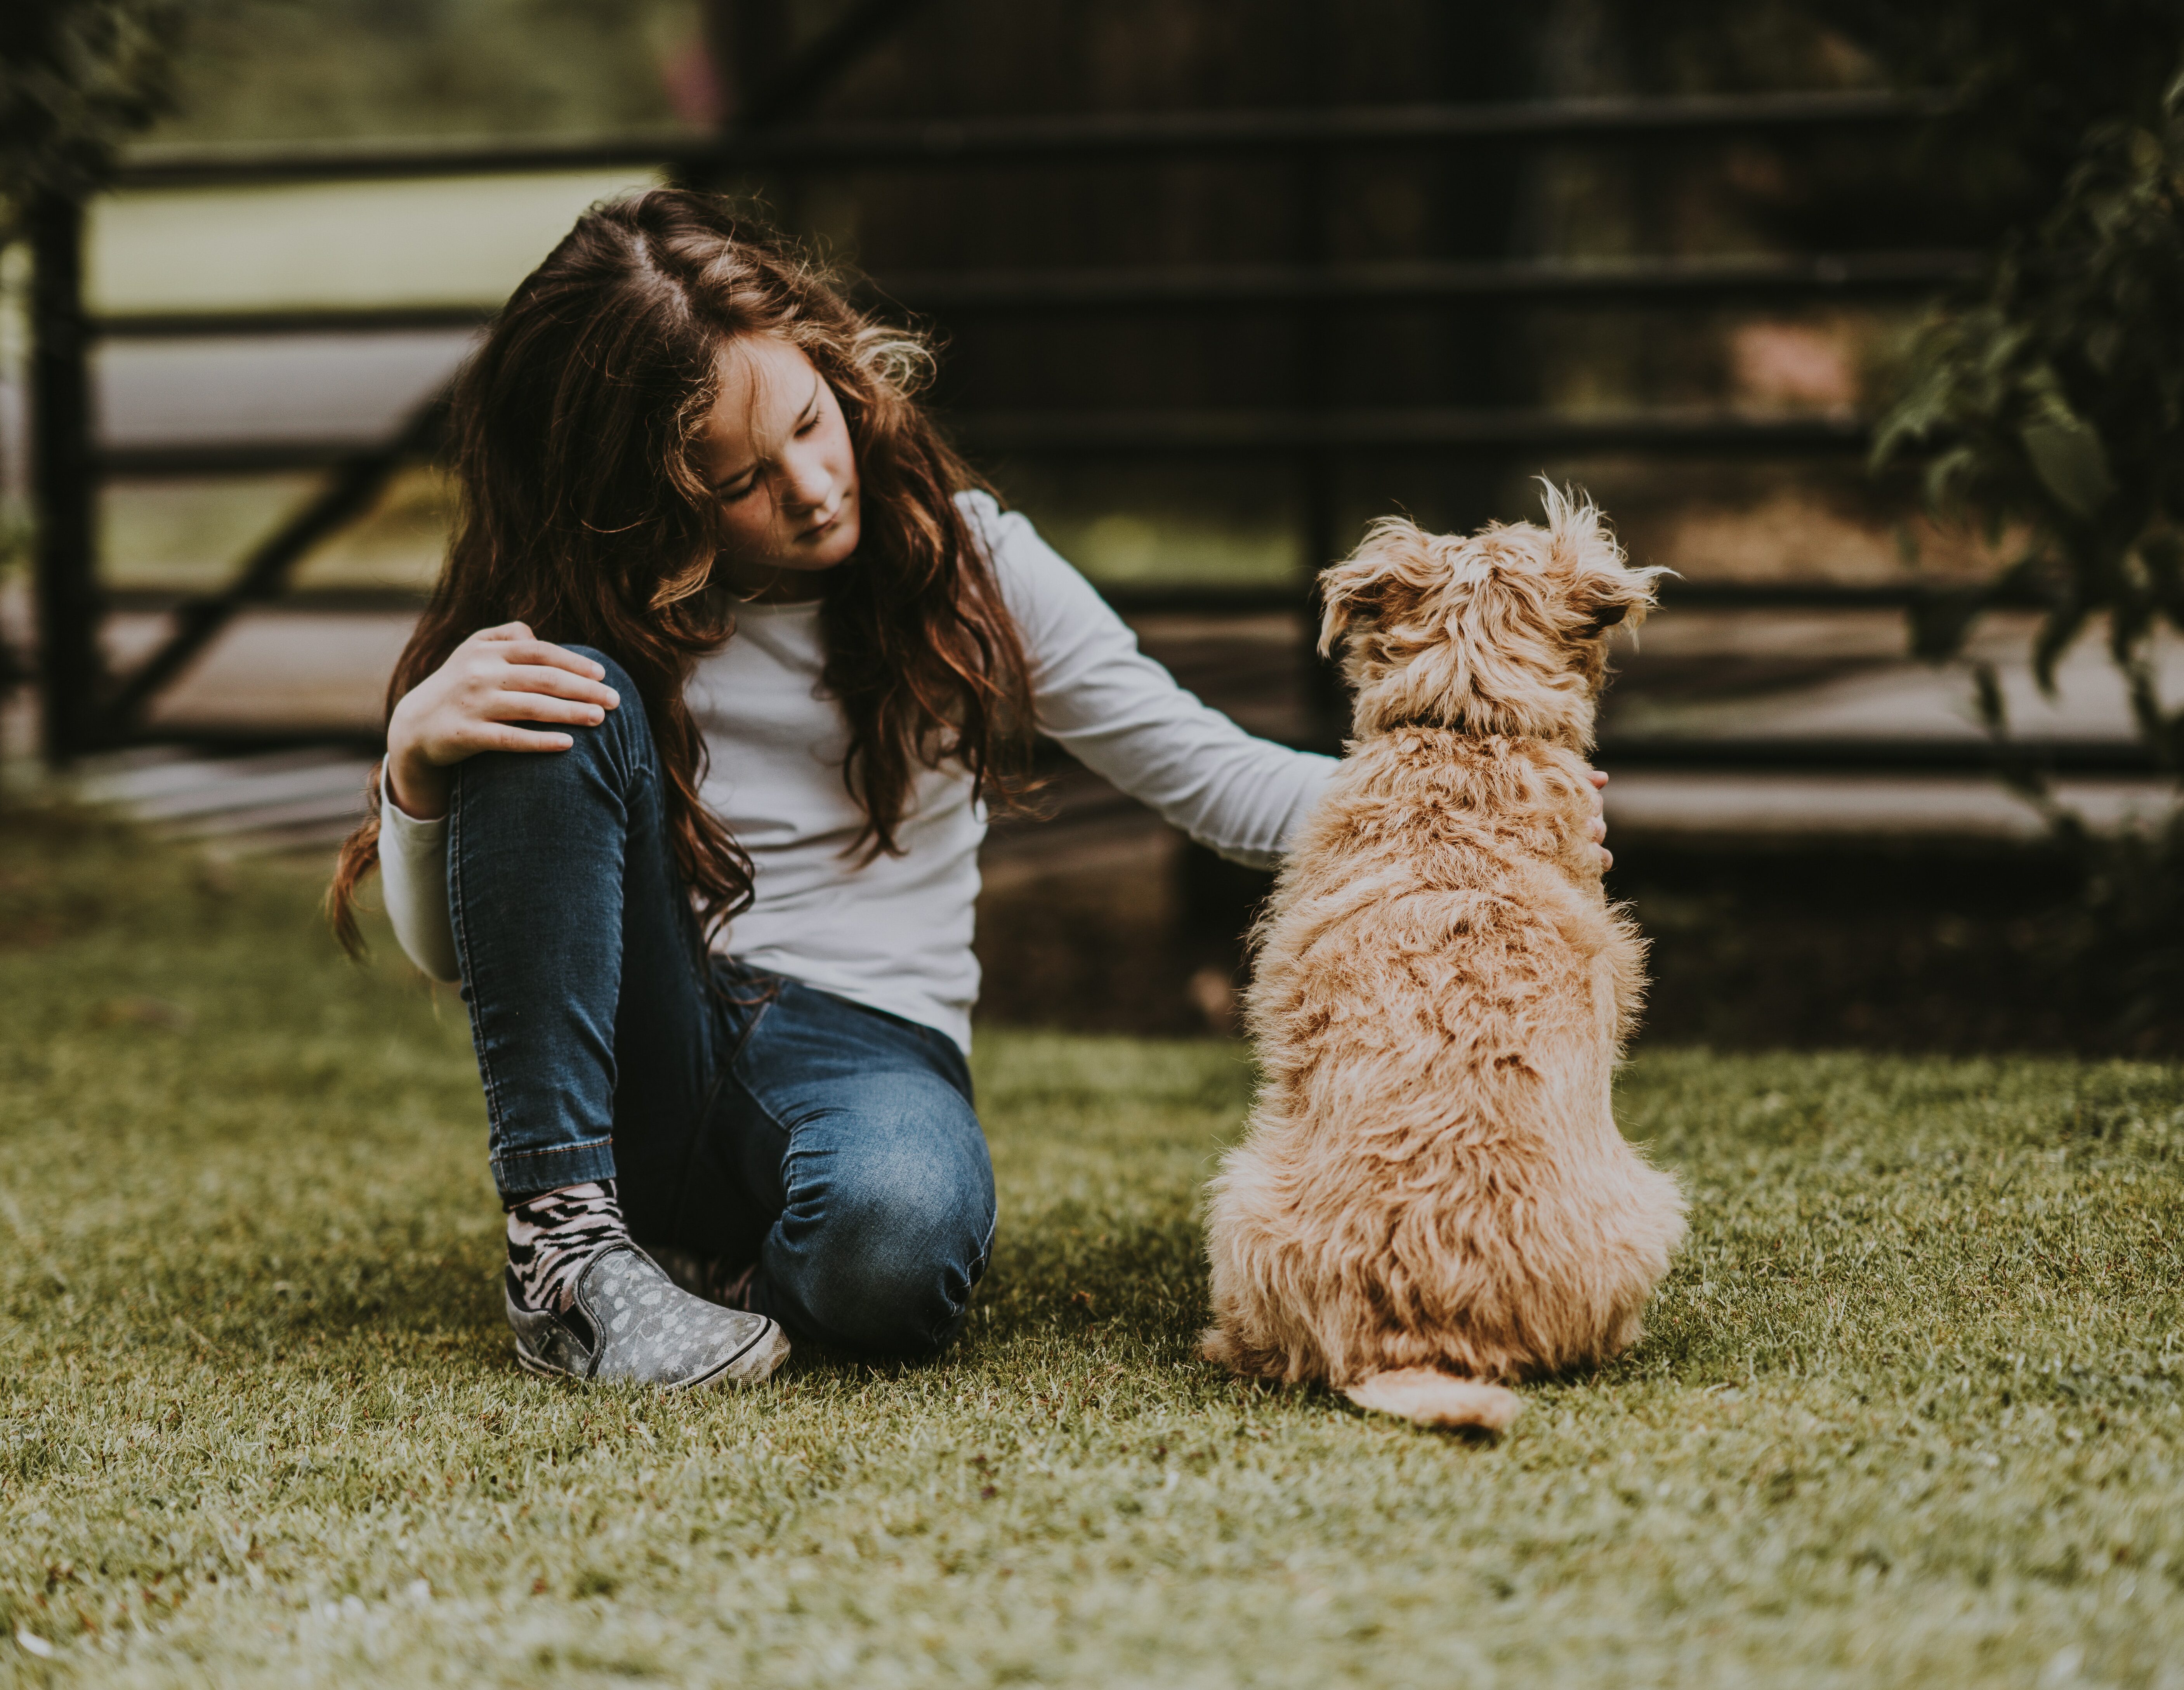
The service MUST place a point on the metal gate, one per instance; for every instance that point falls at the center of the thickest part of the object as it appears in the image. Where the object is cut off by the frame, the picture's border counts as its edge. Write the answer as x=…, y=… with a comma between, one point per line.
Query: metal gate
x=87, y=709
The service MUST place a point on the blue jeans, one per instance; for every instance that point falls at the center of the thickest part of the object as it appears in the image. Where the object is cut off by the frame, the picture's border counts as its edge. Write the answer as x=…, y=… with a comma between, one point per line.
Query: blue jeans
x=744, y=1115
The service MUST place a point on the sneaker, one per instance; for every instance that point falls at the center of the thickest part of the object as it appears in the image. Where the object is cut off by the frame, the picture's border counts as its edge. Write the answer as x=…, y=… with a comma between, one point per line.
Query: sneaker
x=628, y=1321
x=711, y=1277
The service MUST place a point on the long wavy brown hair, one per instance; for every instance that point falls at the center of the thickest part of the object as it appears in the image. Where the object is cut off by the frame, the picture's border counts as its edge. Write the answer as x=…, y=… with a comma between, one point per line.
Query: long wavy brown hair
x=583, y=514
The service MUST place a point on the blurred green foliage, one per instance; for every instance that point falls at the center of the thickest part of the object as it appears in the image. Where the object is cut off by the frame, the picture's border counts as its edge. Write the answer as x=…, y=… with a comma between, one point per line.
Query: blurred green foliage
x=2051, y=403
x=2048, y=406
x=308, y=69
x=2054, y=406
x=77, y=77
x=2033, y=82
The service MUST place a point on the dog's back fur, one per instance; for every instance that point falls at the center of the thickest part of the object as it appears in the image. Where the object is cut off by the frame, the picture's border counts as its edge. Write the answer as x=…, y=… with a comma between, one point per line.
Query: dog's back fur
x=1433, y=1197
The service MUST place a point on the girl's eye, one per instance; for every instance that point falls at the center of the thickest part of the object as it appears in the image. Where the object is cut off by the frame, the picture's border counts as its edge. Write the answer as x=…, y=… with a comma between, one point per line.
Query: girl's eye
x=741, y=494
x=807, y=428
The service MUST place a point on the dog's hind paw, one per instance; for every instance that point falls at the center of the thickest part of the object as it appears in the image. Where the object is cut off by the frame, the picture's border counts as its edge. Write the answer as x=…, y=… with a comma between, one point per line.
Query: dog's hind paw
x=1436, y=1399
x=1217, y=1346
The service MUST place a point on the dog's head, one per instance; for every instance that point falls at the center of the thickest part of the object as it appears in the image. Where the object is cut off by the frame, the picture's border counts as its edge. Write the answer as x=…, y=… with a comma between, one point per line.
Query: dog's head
x=1500, y=632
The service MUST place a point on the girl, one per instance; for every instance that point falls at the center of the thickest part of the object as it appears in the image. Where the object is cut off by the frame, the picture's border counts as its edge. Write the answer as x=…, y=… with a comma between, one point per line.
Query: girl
x=695, y=817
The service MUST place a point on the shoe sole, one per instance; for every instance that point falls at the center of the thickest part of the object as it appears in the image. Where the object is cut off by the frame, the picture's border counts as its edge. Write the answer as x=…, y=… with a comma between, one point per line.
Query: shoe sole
x=753, y=1364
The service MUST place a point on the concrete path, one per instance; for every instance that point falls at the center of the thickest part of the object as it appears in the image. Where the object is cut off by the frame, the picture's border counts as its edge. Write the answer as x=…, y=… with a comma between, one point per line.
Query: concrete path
x=307, y=799
x=1659, y=806
x=1876, y=693
x=282, y=669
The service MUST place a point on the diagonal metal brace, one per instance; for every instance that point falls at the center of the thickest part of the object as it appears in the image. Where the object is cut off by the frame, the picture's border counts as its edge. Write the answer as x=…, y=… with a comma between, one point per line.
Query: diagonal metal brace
x=354, y=483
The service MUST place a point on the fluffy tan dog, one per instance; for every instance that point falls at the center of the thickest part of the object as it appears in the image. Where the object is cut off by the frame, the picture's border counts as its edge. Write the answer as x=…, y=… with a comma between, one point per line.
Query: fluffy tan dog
x=1433, y=1196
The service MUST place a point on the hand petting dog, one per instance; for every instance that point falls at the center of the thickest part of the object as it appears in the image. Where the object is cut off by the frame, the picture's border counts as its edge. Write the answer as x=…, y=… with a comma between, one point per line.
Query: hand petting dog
x=1433, y=1199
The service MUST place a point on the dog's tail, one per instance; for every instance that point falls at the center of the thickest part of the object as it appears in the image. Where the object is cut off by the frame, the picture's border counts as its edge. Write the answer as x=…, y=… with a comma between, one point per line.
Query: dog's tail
x=1436, y=1399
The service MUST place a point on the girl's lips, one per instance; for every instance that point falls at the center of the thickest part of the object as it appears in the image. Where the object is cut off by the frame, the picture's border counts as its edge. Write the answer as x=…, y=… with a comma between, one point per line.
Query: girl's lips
x=819, y=530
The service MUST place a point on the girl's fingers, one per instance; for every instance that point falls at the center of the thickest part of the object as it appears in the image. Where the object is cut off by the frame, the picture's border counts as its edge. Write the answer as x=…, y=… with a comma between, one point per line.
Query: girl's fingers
x=505, y=631
x=532, y=678
x=525, y=649
x=522, y=706
x=495, y=736
x=1597, y=776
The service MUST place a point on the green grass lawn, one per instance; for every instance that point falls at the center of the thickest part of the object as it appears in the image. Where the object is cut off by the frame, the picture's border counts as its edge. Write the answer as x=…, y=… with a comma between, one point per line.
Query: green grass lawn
x=1908, y=1411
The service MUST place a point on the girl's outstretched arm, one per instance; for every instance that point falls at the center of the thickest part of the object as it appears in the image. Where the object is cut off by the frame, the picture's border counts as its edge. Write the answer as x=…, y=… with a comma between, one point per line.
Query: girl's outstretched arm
x=1122, y=715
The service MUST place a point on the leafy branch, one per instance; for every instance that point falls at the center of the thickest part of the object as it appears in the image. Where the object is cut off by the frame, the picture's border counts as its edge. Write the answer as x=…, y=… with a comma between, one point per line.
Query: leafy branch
x=77, y=78
x=2054, y=408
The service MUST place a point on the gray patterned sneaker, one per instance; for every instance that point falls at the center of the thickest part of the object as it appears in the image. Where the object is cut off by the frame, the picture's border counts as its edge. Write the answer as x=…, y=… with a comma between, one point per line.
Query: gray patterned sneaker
x=628, y=1321
x=711, y=1277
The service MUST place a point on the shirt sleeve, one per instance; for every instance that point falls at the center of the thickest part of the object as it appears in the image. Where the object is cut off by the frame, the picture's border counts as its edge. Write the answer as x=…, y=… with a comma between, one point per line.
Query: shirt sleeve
x=413, y=878
x=1124, y=718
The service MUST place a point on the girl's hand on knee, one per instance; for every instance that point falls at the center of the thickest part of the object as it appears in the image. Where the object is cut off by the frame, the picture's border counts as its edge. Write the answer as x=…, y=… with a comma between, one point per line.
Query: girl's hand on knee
x=1600, y=818
x=472, y=703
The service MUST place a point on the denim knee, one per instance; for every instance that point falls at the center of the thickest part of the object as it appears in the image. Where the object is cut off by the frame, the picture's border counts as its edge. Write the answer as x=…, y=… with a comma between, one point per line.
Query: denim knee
x=617, y=752
x=892, y=1269
x=627, y=720
x=616, y=677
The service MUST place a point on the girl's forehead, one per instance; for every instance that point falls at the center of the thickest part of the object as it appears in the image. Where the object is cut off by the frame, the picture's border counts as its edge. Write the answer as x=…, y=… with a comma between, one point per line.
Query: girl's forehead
x=756, y=369
x=765, y=383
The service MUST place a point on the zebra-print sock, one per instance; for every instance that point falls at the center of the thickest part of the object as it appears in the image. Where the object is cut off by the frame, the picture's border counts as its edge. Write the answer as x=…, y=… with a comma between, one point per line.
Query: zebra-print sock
x=552, y=1237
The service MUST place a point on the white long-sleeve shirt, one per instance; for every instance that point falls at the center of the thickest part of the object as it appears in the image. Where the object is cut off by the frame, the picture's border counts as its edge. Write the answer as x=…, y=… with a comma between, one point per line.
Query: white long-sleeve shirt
x=895, y=932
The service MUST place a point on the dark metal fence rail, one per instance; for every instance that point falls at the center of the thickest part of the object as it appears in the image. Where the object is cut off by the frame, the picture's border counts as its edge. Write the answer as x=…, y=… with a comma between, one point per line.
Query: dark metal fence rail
x=1702, y=282
x=1907, y=759
x=1492, y=430
x=82, y=712
x=1021, y=140
x=1164, y=433
x=1140, y=600
x=1966, y=754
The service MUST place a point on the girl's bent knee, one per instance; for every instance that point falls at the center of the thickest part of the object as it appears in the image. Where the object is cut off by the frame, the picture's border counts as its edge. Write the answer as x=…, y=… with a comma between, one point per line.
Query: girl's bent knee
x=613, y=754
x=910, y=1315
x=897, y=1280
x=628, y=718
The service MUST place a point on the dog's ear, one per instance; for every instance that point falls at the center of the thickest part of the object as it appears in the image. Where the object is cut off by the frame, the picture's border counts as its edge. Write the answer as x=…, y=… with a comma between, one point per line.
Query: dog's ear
x=1609, y=597
x=1379, y=584
x=1600, y=589
x=1343, y=604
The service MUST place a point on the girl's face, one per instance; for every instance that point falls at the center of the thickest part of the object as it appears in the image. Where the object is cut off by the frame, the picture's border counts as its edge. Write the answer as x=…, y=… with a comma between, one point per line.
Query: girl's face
x=777, y=453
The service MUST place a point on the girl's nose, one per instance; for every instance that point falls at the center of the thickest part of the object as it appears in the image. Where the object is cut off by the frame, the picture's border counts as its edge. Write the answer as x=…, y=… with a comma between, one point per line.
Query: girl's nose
x=806, y=483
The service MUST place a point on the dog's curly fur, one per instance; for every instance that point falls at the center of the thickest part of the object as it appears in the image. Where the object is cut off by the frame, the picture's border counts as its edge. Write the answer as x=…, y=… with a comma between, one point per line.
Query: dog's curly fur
x=1433, y=1197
